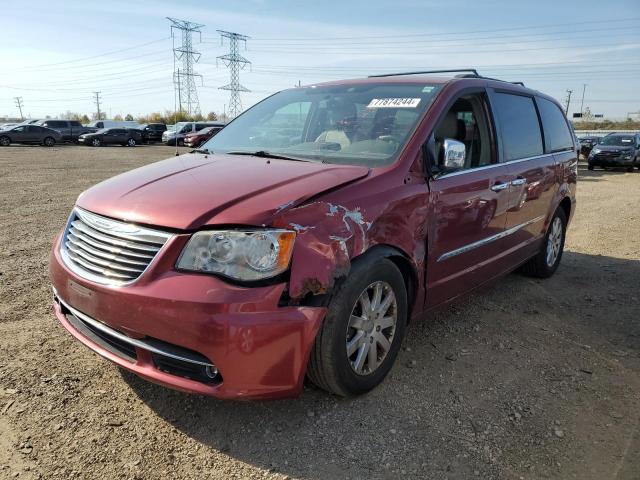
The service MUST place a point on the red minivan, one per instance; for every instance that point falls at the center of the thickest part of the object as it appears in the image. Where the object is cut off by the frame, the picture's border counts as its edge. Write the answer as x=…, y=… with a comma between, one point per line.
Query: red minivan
x=304, y=237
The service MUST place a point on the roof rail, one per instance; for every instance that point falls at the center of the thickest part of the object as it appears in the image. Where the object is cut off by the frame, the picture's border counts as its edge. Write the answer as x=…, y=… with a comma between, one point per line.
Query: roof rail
x=472, y=70
x=464, y=73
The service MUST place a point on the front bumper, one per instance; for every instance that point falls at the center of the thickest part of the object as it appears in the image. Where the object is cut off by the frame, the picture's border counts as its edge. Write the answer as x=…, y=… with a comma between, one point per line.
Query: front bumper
x=610, y=161
x=259, y=348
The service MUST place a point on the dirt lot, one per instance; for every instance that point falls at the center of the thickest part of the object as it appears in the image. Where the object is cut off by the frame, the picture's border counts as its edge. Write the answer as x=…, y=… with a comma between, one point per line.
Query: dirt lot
x=526, y=379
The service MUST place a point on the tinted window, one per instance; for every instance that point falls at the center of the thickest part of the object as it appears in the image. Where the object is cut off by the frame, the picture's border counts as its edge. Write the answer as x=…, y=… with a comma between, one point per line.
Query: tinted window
x=519, y=126
x=75, y=124
x=556, y=132
x=56, y=124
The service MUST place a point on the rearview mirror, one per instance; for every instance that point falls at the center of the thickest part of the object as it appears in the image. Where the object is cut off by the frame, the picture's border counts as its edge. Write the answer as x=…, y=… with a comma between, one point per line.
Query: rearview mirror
x=454, y=154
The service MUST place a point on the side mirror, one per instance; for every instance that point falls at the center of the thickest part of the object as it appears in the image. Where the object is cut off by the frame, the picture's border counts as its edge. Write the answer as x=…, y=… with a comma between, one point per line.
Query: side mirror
x=454, y=154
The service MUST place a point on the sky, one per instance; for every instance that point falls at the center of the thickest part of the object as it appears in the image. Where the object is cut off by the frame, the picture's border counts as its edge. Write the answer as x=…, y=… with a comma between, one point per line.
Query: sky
x=56, y=54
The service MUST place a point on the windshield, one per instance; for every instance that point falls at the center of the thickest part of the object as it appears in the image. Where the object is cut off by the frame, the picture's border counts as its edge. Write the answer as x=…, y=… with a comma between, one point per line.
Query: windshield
x=180, y=126
x=102, y=130
x=619, y=140
x=365, y=124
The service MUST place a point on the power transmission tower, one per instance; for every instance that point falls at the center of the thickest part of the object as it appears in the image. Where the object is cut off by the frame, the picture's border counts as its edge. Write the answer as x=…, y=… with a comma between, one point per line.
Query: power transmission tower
x=567, y=102
x=183, y=78
x=235, y=62
x=97, y=100
x=19, y=105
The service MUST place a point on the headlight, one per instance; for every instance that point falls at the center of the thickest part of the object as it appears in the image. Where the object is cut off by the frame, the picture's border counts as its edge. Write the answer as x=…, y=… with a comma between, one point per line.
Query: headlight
x=244, y=255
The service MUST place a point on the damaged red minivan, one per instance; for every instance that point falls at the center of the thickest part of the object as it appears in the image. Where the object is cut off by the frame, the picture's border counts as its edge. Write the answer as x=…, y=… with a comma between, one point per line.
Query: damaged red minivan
x=303, y=238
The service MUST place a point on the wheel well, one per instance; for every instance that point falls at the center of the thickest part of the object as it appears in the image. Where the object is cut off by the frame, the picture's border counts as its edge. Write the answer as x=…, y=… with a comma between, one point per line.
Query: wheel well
x=400, y=260
x=565, y=204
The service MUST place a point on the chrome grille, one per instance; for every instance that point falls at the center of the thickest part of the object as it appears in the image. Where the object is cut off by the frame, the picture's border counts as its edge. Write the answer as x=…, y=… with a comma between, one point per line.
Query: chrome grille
x=107, y=251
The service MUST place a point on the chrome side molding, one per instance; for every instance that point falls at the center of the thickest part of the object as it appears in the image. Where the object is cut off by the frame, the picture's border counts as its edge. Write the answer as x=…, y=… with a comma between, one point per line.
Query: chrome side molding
x=487, y=240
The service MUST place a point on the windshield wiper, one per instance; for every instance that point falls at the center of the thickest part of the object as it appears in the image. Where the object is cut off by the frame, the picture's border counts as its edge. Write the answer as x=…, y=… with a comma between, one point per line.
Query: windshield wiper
x=201, y=150
x=265, y=154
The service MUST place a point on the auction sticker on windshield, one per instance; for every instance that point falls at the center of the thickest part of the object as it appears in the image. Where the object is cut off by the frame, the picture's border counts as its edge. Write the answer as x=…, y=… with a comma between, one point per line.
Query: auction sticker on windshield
x=394, y=103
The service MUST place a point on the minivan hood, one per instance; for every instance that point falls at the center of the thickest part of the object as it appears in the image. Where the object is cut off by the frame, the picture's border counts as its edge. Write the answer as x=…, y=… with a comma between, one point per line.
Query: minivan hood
x=193, y=190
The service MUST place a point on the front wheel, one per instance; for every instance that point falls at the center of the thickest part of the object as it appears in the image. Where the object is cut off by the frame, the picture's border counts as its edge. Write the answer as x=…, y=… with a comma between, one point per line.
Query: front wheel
x=95, y=142
x=546, y=262
x=5, y=141
x=131, y=142
x=589, y=167
x=49, y=142
x=362, y=331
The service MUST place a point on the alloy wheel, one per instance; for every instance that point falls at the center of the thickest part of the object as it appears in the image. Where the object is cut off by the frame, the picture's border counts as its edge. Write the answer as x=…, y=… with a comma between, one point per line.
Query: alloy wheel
x=371, y=328
x=554, y=241
x=131, y=142
x=4, y=141
x=95, y=142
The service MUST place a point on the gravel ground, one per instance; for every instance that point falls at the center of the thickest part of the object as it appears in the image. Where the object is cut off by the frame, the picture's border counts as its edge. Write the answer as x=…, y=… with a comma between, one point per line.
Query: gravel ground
x=525, y=379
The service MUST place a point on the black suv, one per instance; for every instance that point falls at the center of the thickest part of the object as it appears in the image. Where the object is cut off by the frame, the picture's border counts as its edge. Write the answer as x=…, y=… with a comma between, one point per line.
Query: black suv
x=69, y=129
x=152, y=132
x=616, y=150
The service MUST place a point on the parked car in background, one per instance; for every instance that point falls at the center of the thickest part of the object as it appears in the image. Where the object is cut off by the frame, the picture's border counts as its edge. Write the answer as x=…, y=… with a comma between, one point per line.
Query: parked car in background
x=152, y=132
x=33, y=134
x=181, y=129
x=70, y=129
x=586, y=144
x=129, y=137
x=616, y=150
x=325, y=219
x=5, y=126
x=98, y=124
x=194, y=139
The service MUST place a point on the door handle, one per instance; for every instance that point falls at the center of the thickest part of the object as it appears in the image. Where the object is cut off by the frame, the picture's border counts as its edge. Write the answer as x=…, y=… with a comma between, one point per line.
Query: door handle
x=518, y=181
x=500, y=186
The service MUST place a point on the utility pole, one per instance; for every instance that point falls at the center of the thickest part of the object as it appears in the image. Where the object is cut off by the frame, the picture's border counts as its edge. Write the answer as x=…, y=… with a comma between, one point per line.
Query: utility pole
x=184, y=81
x=19, y=104
x=97, y=100
x=568, y=101
x=584, y=87
x=235, y=62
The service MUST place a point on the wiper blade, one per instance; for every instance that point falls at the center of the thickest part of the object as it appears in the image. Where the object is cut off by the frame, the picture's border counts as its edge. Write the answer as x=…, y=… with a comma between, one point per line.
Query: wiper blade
x=265, y=154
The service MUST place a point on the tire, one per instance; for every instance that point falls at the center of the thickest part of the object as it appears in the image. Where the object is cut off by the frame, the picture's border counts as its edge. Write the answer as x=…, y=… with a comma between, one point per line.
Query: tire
x=590, y=167
x=5, y=141
x=330, y=364
x=630, y=169
x=131, y=142
x=540, y=265
x=49, y=142
x=96, y=142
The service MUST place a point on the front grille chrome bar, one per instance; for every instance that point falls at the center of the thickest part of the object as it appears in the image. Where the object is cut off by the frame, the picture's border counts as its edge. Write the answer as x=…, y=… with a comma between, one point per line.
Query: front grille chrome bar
x=108, y=251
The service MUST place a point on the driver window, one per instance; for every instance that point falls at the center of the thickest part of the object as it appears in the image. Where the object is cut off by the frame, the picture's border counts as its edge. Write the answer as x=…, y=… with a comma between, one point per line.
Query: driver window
x=466, y=122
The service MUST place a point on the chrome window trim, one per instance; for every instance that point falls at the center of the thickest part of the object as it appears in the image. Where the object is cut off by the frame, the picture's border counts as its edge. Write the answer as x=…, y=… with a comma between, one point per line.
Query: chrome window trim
x=487, y=240
x=493, y=165
x=123, y=338
x=91, y=218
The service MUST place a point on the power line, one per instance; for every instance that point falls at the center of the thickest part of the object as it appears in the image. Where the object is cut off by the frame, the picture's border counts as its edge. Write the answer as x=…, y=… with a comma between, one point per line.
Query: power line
x=235, y=62
x=185, y=80
x=66, y=62
x=537, y=27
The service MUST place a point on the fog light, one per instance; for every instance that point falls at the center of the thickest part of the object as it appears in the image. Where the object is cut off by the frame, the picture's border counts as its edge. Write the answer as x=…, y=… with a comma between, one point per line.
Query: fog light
x=211, y=372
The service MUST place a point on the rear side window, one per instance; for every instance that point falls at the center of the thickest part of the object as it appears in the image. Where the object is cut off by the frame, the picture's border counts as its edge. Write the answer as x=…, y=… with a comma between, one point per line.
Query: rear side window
x=556, y=132
x=56, y=124
x=75, y=123
x=521, y=137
